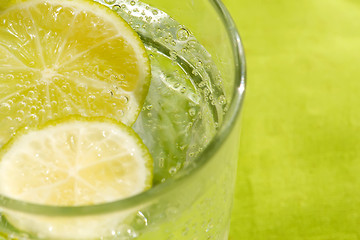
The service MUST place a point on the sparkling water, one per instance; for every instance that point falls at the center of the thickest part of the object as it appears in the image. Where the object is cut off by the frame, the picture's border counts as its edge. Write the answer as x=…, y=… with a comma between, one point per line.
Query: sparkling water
x=185, y=104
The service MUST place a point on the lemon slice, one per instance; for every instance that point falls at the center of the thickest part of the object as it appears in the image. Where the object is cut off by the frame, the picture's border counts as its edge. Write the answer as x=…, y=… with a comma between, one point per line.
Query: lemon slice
x=70, y=163
x=61, y=57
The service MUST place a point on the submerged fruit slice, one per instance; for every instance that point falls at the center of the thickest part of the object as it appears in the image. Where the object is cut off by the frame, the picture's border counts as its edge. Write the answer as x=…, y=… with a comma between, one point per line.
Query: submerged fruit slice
x=75, y=162
x=62, y=57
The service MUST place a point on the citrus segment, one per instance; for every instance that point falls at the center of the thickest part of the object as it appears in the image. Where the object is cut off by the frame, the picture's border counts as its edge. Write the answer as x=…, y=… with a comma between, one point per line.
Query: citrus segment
x=61, y=58
x=75, y=162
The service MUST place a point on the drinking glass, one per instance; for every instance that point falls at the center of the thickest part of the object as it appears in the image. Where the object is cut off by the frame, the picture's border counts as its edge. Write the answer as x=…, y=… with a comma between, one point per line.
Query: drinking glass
x=195, y=202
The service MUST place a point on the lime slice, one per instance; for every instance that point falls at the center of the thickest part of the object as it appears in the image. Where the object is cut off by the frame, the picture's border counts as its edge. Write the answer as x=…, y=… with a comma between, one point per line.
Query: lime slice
x=60, y=58
x=70, y=163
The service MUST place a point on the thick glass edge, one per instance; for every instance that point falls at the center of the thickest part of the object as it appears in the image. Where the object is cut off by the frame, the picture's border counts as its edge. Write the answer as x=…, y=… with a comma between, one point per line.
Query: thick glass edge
x=157, y=191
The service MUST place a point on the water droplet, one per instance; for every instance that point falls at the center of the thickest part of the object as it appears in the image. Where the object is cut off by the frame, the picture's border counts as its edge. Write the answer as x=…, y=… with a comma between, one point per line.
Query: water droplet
x=155, y=12
x=182, y=34
x=183, y=90
x=149, y=107
x=132, y=3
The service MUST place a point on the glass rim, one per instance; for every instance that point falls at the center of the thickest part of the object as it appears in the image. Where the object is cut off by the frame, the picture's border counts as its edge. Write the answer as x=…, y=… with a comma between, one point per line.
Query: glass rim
x=163, y=188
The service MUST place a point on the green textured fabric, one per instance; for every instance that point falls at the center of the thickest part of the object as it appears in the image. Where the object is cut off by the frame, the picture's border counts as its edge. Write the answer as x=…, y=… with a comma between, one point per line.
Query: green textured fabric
x=299, y=167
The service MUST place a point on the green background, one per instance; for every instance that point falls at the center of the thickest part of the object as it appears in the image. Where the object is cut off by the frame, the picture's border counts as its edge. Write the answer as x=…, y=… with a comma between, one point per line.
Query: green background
x=299, y=167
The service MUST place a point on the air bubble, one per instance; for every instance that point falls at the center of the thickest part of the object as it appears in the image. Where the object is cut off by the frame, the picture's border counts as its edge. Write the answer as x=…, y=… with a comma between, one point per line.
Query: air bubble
x=184, y=50
x=173, y=170
x=91, y=99
x=124, y=99
x=67, y=109
x=116, y=8
x=10, y=77
x=132, y=3
x=120, y=113
x=107, y=72
x=20, y=112
x=192, y=112
x=173, y=54
x=113, y=77
x=33, y=109
x=155, y=12
x=33, y=117
x=142, y=219
x=206, y=91
x=110, y=1
x=161, y=162
x=183, y=90
x=222, y=100
x=149, y=107
x=122, y=76
x=191, y=44
x=81, y=88
x=5, y=107
x=182, y=34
